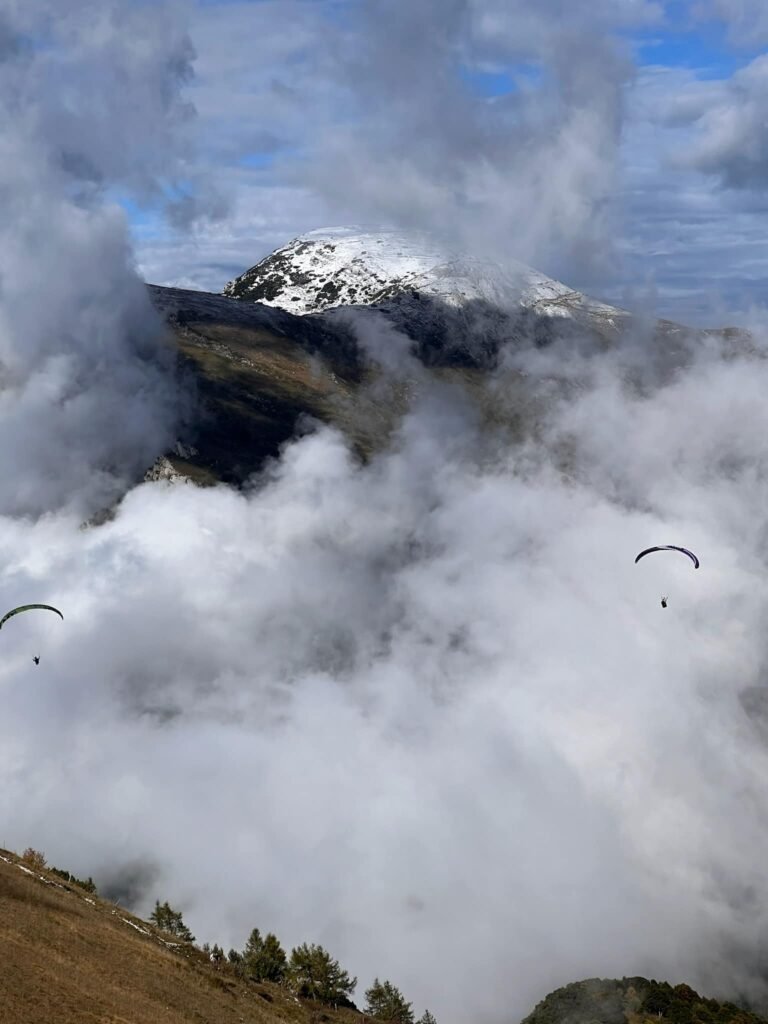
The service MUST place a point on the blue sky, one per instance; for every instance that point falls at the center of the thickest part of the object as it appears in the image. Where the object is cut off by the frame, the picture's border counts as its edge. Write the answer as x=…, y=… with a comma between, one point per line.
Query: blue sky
x=616, y=145
x=685, y=42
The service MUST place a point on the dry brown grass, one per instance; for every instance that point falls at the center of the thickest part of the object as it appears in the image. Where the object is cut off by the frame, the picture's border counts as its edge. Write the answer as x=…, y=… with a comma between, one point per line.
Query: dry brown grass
x=69, y=958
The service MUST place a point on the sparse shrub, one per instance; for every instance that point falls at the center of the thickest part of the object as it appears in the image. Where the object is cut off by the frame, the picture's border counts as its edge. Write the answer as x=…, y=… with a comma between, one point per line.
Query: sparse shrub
x=314, y=974
x=34, y=859
x=169, y=920
x=220, y=982
x=264, y=959
x=386, y=1002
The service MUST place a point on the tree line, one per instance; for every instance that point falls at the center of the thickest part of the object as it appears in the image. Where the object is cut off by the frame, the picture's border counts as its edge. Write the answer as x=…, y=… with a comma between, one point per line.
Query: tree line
x=309, y=972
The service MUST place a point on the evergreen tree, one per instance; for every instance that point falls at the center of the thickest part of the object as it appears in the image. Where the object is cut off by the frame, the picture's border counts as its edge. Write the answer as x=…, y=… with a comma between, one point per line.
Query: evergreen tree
x=264, y=959
x=385, y=1002
x=274, y=962
x=88, y=884
x=314, y=974
x=217, y=954
x=169, y=920
x=426, y=1018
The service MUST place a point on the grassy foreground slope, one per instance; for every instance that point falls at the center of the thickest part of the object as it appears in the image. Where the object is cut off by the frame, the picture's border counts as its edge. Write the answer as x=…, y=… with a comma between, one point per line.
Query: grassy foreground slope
x=68, y=957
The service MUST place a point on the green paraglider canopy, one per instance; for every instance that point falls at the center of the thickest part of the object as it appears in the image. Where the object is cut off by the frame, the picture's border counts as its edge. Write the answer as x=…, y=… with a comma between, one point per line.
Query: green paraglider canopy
x=26, y=608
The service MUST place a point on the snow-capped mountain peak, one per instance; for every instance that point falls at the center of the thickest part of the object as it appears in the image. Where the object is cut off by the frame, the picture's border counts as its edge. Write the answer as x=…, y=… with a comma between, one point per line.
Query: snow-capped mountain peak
x=341, y=267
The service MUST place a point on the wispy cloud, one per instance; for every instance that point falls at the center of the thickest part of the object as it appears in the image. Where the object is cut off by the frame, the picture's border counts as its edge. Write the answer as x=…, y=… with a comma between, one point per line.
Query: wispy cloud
x=745, y=21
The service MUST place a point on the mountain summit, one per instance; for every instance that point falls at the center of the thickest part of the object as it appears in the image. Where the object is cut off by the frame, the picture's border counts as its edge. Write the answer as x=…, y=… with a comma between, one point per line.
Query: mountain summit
x=334, y=267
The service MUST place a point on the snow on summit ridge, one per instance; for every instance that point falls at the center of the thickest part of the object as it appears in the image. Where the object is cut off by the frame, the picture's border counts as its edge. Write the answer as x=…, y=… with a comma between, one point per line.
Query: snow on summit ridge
x=341, y=266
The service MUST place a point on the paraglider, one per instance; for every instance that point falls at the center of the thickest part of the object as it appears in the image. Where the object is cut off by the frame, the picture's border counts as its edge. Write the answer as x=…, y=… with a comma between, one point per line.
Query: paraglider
x=26, y=608
x=669, y=547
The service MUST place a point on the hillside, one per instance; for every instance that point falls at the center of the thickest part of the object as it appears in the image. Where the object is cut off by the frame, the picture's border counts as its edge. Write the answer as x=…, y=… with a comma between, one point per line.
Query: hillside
x=457, y=308
x=285, y=344
x=256, y=372
x=441, y=298
x=71, y=958
x=252, y=373
x=634, y=1001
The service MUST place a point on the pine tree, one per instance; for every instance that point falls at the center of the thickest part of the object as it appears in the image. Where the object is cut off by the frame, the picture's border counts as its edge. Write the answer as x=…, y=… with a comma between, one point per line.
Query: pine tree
x=385, y=1002
x=264, y=959
x=169, y=920
x=274, y=960
x=314, y=974
x=426, y=1018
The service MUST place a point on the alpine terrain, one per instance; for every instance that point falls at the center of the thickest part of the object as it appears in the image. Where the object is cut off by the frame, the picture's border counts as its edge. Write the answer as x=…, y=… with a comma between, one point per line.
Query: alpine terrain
x=289, y=342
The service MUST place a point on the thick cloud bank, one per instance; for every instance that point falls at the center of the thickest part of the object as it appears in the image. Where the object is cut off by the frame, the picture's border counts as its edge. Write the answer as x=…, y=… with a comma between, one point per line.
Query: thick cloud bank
x=428, y=711
x=86, y=396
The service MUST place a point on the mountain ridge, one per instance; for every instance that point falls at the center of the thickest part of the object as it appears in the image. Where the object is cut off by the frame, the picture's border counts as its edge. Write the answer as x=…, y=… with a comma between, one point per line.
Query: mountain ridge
x=332, y=267
x=258, y=371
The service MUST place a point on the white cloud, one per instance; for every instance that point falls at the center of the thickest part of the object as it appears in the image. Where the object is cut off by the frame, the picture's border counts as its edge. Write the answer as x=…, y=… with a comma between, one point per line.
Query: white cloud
x=746, y=21
x=87, y=391
x=688, y=248
x=329, y=96
x=731, y=138
x=428, y=711
x=262, y=216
